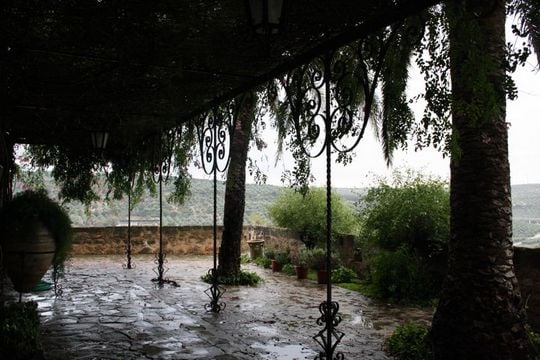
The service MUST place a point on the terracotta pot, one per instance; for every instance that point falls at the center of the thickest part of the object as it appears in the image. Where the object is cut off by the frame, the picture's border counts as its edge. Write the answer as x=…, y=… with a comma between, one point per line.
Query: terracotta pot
x=276, y=266
x=322, y=276
x=301, y=272
x=27, y=261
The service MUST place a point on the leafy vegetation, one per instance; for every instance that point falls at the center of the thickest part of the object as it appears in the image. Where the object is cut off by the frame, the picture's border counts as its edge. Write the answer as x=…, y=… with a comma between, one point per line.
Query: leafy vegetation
x=19, y=332
x=315, y=258
x=282, y=257
x=263, y=261
x=343, y=275
x=22, y=216
x=288, y=269
x=404, y=232
x=195, y=210
x=307, y=215
x=242, y=278
x=534, y=339
x=409, y=342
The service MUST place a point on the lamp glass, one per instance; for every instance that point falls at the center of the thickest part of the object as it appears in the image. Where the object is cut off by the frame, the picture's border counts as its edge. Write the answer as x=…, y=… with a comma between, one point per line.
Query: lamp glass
x=99, y=139
x=266, y=15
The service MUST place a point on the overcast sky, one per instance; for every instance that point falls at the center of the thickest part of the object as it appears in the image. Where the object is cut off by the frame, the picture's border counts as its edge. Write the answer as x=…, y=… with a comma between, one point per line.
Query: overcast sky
x=524, y=145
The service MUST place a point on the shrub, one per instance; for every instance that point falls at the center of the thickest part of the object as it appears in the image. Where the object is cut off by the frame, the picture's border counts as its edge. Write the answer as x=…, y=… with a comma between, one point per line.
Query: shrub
x=270, y=254
x=409, y=342
x=405, y=231
x=242, y=278
x=283, y=257
x=19, y=331
x=288, y=269
x=411, y=210
x=245, y=259
x=316, y=259
x=534, y=339
x=343, y=275
x=263, y=262
x=307, y=215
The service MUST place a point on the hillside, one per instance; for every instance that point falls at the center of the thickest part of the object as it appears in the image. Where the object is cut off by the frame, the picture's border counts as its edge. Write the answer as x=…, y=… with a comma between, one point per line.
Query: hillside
x=526, y=214
x=198, y=208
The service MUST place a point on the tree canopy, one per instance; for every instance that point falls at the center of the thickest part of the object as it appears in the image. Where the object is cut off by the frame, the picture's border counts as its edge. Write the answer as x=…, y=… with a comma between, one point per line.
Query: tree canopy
x=306, y=213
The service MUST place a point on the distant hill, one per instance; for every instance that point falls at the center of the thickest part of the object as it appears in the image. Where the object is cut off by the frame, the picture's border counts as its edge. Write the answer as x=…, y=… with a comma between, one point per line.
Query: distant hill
x=198, y=208
x=526, y=214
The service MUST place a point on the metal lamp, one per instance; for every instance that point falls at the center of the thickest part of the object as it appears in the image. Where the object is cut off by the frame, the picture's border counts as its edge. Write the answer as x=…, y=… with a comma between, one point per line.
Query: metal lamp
x=99, y=139
x=266, y=16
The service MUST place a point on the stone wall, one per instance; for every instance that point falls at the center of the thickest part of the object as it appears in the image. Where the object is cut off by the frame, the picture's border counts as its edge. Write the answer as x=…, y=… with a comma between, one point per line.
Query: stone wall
x=527, y=263
x=194, y=240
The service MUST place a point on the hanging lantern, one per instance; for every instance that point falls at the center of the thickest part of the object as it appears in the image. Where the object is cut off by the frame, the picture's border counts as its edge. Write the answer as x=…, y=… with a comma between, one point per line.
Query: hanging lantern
x=266, y=16
x=99, y=140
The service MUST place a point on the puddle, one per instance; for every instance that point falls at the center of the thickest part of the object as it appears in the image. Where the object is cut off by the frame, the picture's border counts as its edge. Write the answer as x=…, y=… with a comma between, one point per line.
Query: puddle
x=363, y=321
x=265, y=330
x=274, y=351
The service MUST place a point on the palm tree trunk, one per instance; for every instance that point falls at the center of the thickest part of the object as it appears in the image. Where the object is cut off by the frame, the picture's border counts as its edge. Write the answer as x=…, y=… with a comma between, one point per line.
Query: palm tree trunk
x=480, y=314
x=235, y=190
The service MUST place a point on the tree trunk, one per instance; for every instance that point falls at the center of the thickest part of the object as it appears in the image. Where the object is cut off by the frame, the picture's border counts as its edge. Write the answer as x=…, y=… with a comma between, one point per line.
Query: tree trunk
x=235, y=190
x=480, y=314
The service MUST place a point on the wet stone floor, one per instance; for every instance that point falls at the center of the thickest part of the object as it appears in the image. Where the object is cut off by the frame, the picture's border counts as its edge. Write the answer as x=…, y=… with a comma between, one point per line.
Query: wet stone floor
x=108, y=312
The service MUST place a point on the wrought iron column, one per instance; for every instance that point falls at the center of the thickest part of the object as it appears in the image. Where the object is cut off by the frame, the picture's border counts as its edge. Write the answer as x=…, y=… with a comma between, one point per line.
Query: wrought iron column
x=128, y=265
x=56, y=274
x=323, y=99
x=214, y=131
x=160, y=257
x=329, y=337
x=2, y=275
x=163, y=169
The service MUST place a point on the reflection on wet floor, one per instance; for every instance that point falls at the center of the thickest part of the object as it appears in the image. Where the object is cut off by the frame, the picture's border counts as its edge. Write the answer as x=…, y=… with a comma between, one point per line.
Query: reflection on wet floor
x=108, y=312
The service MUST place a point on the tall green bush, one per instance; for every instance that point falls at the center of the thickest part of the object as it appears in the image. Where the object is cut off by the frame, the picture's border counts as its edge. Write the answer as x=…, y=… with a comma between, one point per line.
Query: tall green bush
x=404, y=233
x=307, y=215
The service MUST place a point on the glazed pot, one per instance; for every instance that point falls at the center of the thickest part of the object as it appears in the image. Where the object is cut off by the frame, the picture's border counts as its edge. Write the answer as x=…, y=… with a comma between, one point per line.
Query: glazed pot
x=26, y=261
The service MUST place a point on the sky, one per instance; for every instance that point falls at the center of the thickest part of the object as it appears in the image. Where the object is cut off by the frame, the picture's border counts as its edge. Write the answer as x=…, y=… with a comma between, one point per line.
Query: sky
x=368, y=164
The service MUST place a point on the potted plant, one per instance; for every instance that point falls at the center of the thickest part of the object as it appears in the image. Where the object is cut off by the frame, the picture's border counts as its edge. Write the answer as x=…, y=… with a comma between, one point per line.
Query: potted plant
x=301, y=261
x=271, y=254
x=36, y=232
x=316, y=259
x=280, y=258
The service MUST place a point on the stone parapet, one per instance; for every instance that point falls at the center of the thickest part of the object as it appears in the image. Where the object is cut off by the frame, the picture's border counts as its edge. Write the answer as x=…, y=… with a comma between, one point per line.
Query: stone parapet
x=178, y=240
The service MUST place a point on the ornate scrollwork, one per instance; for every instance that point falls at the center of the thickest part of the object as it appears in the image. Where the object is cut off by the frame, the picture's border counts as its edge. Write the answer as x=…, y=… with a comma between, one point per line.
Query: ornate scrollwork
x=214, y=292
x=330, y=101
x=329, y=337
x=163, y=155
x=333, y=96
x=214, y=131
x=58, y=271
x=161, y=270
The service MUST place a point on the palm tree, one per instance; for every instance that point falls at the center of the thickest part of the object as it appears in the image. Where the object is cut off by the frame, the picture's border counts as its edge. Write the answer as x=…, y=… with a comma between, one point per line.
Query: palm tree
x=480, y=313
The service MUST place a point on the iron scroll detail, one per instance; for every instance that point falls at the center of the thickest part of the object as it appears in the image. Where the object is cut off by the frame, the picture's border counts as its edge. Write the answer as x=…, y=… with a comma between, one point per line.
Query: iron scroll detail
x=214, y=132
x=330, y=101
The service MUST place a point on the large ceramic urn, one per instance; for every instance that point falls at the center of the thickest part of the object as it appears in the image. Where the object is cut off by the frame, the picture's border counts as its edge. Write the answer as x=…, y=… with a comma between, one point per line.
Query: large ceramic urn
x=27, y=260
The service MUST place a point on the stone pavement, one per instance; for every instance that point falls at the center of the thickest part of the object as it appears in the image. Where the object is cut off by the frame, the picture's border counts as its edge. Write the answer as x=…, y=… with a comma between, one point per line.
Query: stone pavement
x=107, y=312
